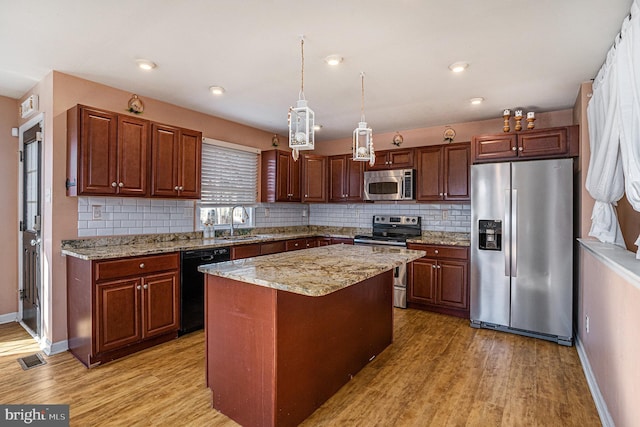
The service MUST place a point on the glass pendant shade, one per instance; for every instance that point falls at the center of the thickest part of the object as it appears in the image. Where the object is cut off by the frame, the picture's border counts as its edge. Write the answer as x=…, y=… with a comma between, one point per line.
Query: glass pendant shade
x=301, y=122
x=362, y=142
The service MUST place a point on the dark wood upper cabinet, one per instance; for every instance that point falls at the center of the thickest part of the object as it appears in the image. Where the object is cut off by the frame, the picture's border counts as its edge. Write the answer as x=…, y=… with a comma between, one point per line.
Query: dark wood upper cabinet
x=176, y=162
x=392, y=159
x=527, y=145
x=429, y=173
x=107, y=153
x=346, y=179
x=132, y=156
x=112, y=154
x=456, y=171
x=280, y=181
x=443, y=172
x=314, y=178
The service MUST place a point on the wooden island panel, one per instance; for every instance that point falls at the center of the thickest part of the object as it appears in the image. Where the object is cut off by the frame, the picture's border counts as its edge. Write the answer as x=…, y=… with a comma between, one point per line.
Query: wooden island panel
x=273, y=357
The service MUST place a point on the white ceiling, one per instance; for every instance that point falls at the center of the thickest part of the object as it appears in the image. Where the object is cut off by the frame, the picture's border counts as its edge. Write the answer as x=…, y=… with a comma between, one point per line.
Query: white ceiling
x=529, y=54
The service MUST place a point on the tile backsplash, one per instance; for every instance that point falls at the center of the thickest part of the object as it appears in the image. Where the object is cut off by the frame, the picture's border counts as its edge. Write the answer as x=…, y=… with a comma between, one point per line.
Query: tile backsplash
x=123, y=216
x=435, y=217
x=120, y=215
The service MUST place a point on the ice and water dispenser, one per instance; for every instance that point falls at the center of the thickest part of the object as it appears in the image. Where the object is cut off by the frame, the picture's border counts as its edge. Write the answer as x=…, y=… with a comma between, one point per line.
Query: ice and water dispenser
x=490, y=235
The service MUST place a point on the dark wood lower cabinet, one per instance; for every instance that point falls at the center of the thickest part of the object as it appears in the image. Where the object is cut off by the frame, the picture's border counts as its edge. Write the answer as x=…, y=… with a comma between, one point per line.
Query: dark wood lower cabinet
x=119, y=306
x=440, y=280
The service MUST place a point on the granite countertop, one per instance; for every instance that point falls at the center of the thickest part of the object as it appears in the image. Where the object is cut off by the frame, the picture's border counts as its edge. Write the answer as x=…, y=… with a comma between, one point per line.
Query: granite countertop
x=140, y=245
x=443, y=238
x=316, y=271
x=139, y=248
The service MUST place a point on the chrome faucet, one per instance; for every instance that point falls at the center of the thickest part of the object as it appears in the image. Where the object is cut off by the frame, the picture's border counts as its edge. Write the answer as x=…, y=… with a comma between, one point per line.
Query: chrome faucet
x=245, y=214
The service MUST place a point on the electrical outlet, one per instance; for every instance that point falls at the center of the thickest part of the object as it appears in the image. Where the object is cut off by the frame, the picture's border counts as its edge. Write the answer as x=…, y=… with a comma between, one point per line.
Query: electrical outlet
x=445, y=214
x=96, y=211
x=586, y=323
x=267, y=212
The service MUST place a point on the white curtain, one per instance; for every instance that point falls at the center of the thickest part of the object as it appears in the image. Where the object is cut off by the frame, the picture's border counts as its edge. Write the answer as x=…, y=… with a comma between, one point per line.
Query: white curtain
x=605, y=181
x=628, y=71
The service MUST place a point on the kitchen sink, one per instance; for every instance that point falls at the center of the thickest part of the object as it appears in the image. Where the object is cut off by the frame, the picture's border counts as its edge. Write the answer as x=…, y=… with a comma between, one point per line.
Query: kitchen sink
x=246, y=237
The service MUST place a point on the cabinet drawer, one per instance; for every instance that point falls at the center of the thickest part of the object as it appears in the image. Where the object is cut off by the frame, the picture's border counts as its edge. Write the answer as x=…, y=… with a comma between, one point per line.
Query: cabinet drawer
x=295, y=244
x=245, y=251
x=435, y=251
x=273, y=247
x=136, y=266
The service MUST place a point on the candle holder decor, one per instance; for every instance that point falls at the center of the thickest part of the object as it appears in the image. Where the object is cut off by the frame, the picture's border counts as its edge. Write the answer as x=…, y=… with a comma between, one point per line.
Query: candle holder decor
x=506, y=114
x=518, y=117
x=531, y=117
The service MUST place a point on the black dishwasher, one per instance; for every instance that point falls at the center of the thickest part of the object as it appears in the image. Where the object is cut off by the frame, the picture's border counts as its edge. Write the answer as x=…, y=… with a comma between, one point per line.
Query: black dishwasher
x=192, y=285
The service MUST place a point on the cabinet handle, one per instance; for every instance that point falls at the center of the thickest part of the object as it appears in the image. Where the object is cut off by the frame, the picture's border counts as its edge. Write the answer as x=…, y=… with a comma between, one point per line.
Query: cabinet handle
x=138, y=287
x=513, y=148
x=114, y=184
x=433, y=266
x=296, y=245
x=436, y=251
x=176, y=188
x=306, y=195
x=441, y=194
x=121, y=184
x=438, y=265
x=519, y=148
x=445, y=194
x=181, y=187
x=142, y=265
x=145, y=286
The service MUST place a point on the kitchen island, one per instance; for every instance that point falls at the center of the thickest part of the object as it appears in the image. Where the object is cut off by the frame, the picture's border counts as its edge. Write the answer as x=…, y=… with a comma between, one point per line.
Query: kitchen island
x=284, y=332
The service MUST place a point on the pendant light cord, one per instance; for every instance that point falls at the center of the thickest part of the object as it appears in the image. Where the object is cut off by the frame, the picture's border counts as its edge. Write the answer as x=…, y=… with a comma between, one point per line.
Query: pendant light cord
x=302, y=68
x=362, y=103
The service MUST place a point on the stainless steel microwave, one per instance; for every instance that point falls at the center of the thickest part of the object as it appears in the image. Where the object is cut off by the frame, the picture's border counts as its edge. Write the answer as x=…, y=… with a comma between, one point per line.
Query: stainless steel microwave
x=393, y=184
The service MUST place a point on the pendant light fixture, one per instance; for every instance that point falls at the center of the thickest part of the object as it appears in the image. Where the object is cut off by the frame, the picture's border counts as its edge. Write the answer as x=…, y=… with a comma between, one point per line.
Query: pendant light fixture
x=363, y=136
x=301, y=119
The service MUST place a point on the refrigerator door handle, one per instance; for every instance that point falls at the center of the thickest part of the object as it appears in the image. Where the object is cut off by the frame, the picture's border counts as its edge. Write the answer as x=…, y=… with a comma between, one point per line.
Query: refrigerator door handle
x=506, y=245
x=514, y=233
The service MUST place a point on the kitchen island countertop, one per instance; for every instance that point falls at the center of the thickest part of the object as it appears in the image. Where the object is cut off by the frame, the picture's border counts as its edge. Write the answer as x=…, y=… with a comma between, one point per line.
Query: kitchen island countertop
x=316, y=271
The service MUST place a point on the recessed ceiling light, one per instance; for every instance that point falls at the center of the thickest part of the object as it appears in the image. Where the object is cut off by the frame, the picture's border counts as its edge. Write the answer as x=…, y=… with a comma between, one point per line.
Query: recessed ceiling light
x=317, y=127
x=458, y=67
x=333, y=60
x=476, y=101
x=145, y=64
x=217, y=90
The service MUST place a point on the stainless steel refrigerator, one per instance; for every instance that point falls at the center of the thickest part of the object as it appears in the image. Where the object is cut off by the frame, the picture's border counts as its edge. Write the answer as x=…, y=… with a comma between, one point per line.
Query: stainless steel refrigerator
x=522, y=248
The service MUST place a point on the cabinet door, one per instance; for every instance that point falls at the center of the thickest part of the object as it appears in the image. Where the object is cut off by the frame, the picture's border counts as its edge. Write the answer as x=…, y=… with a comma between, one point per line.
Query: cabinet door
x=312, y=242
x=190, y=158
x=337, y=174
x=494, y=147
x=453, y=285
x=422, y=281
x=282, y=171
x=381, y=162
x=354, y=180
x=543, y=143
x=160, y=304
x=164, y=160
x=314, y=178
x=98, y=145
x=133, y=156
x=117, y=314
x=456, y=159
x=400, y=159
x=295, y=189
x=429, y=173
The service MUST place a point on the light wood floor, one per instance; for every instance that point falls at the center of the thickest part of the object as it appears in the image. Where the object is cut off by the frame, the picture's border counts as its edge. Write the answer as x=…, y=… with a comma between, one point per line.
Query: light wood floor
x=438, y=372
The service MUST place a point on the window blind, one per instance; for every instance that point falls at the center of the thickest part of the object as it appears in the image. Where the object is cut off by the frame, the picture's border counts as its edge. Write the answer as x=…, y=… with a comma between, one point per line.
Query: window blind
x=229, y=173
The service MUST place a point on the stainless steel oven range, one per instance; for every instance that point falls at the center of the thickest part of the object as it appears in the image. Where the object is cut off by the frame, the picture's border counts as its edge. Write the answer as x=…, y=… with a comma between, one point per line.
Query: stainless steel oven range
x=390, y=231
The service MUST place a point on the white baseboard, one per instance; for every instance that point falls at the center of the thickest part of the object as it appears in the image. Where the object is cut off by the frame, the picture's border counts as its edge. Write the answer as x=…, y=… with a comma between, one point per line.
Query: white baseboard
x=8, y=318
x=601, y=405
x=50, y=348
